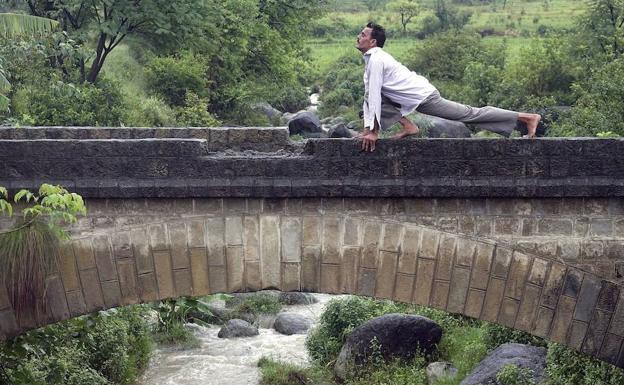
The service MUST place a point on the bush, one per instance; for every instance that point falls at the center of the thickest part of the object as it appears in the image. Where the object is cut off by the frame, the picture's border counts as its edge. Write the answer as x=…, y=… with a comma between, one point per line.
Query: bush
x=173, y=77
x=195, y=113
x=496, y=335
x=564, y=366
x=64, y=104
x=260, y=303
x=512, y=375
x=290, y=99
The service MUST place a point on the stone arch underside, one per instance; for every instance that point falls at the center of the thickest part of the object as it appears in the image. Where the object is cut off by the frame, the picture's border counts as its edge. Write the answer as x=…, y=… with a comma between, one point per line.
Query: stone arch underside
x=333, y=253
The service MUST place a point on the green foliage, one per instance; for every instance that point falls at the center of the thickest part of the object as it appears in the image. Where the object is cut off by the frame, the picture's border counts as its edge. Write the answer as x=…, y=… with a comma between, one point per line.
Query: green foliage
x=30, y=249
x=407, y=9
x=173, y=314
x=195, y=113
x=254, y=305
x=281, y=373
x=397, y=372
x=15, y=25
x=496, y=335
x=291, y=99
x=173, y=78
x=512, y=375
x=56, y=103
x=343, y=87
x=106, y=348
x=602, y=29
x=564, y=366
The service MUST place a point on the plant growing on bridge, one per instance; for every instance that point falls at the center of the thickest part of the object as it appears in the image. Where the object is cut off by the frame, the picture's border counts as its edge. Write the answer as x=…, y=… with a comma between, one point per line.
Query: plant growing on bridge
x=30, y=249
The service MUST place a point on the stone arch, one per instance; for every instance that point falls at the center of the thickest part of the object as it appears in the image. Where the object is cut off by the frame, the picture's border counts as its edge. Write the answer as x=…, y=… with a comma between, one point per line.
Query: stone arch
x=333, y=253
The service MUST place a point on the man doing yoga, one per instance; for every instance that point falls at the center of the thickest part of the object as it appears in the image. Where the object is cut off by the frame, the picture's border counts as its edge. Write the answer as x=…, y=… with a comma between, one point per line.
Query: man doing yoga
x=392, y=92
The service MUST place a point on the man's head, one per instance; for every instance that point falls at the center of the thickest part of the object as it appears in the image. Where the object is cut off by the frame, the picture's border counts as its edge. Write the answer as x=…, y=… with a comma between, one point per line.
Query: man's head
x=373, y=35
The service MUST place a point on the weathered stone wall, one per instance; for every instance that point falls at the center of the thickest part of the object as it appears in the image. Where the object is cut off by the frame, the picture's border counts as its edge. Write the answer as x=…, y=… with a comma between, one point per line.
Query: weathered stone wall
x=228, y=246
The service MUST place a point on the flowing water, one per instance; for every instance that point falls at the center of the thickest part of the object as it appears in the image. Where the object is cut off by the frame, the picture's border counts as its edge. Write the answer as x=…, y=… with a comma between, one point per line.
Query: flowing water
x=221, y=361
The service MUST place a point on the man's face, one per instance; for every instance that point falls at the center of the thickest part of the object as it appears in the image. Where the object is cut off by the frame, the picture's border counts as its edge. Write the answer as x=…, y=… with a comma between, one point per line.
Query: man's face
x=364, y=40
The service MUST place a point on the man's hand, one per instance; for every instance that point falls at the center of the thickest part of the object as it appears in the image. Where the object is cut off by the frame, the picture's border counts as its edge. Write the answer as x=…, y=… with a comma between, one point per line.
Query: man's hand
x=363, y=133
x=368, y=141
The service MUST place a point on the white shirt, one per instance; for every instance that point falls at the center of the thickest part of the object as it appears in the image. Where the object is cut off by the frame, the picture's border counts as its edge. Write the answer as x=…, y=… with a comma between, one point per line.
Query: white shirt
x=384, y=75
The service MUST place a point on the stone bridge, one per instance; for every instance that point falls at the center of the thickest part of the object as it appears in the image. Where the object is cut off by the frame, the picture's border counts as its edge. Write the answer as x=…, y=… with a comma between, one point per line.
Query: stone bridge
x=524, y=233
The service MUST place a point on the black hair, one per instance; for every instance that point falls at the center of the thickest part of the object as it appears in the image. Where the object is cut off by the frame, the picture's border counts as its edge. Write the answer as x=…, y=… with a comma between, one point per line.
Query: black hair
x=378, y=33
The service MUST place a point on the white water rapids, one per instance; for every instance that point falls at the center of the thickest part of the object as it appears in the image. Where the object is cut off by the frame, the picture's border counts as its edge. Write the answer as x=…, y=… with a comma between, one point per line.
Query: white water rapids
x=222, y=361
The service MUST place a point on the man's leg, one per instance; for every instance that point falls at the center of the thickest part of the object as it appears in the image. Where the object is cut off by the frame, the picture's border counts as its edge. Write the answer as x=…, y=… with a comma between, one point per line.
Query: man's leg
x=407, y=128
x=489, y=118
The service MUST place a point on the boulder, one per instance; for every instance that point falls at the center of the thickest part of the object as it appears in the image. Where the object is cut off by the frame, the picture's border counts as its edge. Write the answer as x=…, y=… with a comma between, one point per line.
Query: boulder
x=438, y=370
x=392, y=335
x=523, y=356
x=267, y=110
x=237, y=328
x=297, y=298
x=303, y=123
x=292, y=323
x=442, y=128
x=341, y=131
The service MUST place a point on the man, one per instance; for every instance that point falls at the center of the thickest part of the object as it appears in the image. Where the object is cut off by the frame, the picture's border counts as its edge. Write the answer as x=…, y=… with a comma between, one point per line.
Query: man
x=392, y=92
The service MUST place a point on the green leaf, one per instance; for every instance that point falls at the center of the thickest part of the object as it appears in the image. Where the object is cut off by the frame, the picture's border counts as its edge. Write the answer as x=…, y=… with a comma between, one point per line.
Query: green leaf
x=12, y=25
x=20, y=194
x=4, y=192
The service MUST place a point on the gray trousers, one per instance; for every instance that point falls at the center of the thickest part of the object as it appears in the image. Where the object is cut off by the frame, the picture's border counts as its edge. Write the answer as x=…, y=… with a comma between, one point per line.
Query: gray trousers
x=489, y=118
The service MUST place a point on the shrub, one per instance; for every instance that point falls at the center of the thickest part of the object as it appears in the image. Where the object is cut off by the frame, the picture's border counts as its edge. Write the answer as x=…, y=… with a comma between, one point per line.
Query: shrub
x=564, y=366
x=512, y=375
x=172, y=77
x=290, y=99
x=195, y=113
x=259, y=303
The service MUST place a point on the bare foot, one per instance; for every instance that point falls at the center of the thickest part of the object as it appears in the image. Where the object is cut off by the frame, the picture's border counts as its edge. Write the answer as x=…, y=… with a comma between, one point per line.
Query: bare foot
x=408, y=129
x=531, y=120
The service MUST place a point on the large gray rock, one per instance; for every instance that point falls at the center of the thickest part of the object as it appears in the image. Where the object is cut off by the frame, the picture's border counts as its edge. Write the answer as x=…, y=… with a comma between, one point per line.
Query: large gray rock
x=341, y=131
x=523, y=356
x=292, y=323
x=393, y=335
x=237, y=328
x=297, y=298
x=443, y=128
x=304, y=123
x=267, y=110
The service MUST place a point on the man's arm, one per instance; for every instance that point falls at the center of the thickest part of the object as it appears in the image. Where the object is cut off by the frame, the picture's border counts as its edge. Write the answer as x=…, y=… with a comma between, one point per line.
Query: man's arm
x=372, y=111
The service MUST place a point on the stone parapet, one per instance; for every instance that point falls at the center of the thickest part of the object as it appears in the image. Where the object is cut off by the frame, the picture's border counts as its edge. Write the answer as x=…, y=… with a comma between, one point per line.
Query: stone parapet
x=259, y=162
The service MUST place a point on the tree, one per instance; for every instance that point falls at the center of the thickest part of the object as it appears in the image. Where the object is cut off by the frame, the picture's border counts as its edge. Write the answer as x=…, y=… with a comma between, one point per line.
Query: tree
x=450, y=17
x=408, y=9
x=603, y=26
x=372, y=5
x=113, y=21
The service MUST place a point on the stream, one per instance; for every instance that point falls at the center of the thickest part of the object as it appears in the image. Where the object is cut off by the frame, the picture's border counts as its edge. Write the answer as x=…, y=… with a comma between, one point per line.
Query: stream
x=220, y=361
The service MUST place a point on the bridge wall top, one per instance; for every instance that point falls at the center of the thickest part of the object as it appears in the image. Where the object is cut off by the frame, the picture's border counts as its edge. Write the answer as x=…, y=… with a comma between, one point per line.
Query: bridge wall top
x=262, y=162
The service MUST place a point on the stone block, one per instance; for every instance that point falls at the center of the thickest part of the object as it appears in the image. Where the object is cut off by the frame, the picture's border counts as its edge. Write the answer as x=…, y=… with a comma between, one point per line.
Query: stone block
x=440, y=294
x=92, y=290
x=596, y=206
x=311, y=231
x=610, y=349
x=537, y=275
x=179, y=247
x=429, y=244
x=351, y=232
x=466, y=224
x=609, y=293
x=148, y=287
x=546, y=248
x=465, y=252
x=164, y=276
x=330, y=278
x=404, y=287
x=562, y=320
x=481, y=268
x=502, y=261
x=617, y=323
x=270, y=251
x=310, y=266
x=158, y=237
x=372, y=233
x=203, y=206
x=196, y=234
x=572, y=283
x=67, y=265
x=199, y=271
x=127, y=282
x=331, y=240
x=587, y=299
x=508, y=311
x=554, y=285
x=592, y=249
x=493, y=299
x=520, y=265
x=122, y=245
x=528, y=308
x=183, y=282
x=216, y=241
x=596, y=333
x=233, y=231
x=291, y=239
x=459, y=290
x=615, y=249
x=409, y=250
x=111, y=293
x=253, y=277
x=474, y=303
x=55, y=299
x=569, y=249
x=235, y=267
x=483, y=226
x=446, y=254
x=550, y=226
x=141, y=248
x=543, y=321
x=83, y=250
x=392, y=235
x=76, y=303
x=291, y=277
x=366, y=282
x=217, y=277
x=507, y=226
x=577, y=333
x=250, y=239
x=384, y=288
x=581, y=227
x=350, y=263
x=5, y=303
x=601, y=228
